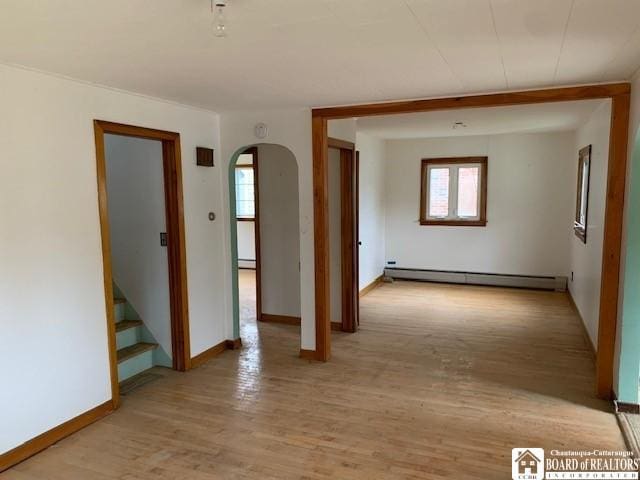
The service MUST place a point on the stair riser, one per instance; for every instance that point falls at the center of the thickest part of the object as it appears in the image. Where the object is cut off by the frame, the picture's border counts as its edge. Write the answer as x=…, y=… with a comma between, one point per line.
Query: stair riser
x=118, y=311
x=135, y=365
x=127, y=337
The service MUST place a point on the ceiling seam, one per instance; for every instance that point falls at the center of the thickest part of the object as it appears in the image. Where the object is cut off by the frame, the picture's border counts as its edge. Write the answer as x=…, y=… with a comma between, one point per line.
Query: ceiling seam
x=564, y=36
x=495, y=30
x=433, y=42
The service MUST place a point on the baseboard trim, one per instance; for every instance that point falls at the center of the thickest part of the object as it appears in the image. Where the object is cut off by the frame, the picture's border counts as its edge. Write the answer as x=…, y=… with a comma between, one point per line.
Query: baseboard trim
x=50, y=437
x=336, y=326
x=630, y=439
x=214, y=351
x=284, y=319
x=372, y=286
x=585, y=332
x=307, y=354
x=235, y=344
x=624, y=407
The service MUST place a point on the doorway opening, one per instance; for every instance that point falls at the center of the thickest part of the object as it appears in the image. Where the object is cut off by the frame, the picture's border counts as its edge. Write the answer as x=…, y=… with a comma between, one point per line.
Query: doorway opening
x=143, y=247
x=264, y=216
x=343, y=234
x=613, y=181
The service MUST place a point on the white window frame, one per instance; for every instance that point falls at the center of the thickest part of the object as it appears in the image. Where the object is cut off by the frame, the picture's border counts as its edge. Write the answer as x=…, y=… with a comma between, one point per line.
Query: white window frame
x=252, y=168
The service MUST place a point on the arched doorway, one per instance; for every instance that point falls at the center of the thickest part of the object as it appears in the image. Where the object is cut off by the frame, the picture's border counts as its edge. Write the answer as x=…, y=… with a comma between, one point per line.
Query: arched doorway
x=265, y=241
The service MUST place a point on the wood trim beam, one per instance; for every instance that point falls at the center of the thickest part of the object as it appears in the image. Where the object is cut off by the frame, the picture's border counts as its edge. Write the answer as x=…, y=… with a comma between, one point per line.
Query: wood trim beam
x=341, y=144
x=103, y=213
x=284, y=319
x=348, y=239
x=177, y=254
x=138, y=132
x=564, y=94
x=48, y=438
x=612, y=244
x=321, y=237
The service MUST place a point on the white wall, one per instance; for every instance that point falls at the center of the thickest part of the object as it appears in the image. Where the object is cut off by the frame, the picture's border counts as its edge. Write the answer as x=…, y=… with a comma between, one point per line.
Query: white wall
x=343, y=129
x=292, y=129
x=530, y=203
x=246, y=241
x=52, y=305
x=335, y=235
x=279, y=231
x=372, y=207
x=586, y=259
x=135, y=192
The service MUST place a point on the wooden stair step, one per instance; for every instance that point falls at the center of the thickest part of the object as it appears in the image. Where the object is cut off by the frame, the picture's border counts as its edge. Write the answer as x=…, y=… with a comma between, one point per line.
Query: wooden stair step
x=117, y=301
x=134, y=350
x=123, y=325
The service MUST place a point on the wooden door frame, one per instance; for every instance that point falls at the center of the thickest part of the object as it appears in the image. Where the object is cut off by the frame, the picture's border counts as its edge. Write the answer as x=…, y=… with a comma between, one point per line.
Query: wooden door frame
x=348, y=237
x=619, y=93
x=176, y=248
x=256, y=223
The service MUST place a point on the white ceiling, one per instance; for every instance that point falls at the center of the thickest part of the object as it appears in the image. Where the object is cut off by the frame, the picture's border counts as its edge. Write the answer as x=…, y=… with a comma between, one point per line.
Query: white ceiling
x=546, y=117
x=284, y=53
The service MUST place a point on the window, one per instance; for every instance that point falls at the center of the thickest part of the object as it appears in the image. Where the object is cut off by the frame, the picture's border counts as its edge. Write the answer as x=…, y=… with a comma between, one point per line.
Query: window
x=582, y=194
x=454, y=191
x=245, y=188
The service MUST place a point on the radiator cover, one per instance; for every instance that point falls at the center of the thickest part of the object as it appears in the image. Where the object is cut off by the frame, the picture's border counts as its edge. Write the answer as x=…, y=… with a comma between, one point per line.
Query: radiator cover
x=558, y=284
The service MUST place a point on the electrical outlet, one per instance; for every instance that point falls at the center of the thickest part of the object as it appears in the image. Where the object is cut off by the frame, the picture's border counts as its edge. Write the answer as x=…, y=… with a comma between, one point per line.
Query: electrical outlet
x=391, y=262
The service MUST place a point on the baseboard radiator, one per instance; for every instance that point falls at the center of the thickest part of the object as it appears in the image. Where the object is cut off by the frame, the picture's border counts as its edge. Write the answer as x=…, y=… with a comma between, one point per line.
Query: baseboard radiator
x=558, y=284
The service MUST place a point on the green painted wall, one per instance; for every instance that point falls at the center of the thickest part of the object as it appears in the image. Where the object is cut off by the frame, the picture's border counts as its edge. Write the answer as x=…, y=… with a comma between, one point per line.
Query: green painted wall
x=629, y=361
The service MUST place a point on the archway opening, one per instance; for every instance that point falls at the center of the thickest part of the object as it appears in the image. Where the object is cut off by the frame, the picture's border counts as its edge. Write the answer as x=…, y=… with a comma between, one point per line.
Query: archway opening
x=265, y=244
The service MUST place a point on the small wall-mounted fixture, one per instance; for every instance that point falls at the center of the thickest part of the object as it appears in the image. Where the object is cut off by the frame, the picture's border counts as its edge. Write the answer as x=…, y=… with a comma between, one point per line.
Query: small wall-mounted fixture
x=261, y=130
x=204, y=157
x=212, y=216
x=457, y=125
x=218, y=8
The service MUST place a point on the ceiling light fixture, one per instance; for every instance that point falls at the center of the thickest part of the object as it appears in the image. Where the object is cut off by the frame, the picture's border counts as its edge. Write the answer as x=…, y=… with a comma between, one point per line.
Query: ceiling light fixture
x=219, y=17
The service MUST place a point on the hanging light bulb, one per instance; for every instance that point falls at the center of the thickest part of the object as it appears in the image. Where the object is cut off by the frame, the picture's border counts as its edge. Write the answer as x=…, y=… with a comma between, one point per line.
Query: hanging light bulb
x=220, y=19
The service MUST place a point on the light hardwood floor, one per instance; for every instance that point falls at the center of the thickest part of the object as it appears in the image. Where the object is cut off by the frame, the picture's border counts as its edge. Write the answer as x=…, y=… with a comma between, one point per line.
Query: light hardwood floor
x=441, y=381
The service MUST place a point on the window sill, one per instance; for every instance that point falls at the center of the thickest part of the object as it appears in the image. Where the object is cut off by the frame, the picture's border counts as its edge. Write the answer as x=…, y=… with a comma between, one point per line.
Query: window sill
x=454, y=223
x=245, y=219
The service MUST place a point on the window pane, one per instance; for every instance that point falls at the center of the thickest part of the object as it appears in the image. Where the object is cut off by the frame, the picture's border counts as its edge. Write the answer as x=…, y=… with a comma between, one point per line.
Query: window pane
x=468, y=191
x=438, y=192
x=245, y=207
x=583, y=195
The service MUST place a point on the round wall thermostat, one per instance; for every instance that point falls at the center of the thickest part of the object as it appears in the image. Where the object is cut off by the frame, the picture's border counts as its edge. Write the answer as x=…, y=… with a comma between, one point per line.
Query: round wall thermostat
x=212, y=216
x=260, y=130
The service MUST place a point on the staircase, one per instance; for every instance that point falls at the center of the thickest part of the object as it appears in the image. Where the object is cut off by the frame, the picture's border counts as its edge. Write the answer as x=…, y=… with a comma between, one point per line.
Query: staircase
x=137, y=349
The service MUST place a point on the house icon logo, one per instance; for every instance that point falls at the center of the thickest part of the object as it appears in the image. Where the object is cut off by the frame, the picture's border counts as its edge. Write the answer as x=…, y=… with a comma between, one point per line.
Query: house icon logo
x=527, y=463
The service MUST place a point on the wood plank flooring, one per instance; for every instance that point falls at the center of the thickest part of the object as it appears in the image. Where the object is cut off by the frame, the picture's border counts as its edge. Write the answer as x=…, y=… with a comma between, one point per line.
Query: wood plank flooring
x=442, y=381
